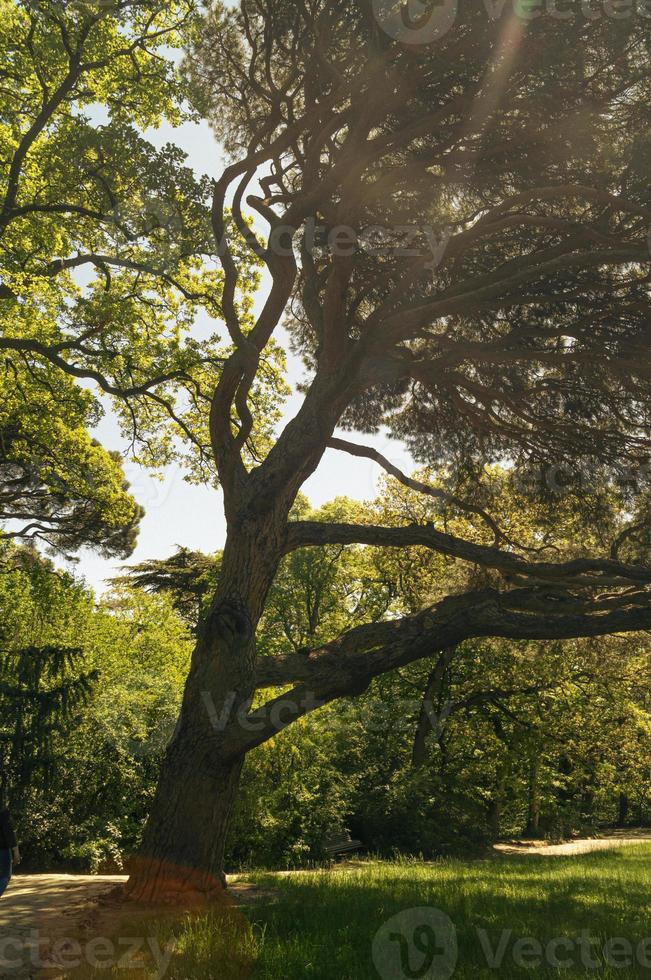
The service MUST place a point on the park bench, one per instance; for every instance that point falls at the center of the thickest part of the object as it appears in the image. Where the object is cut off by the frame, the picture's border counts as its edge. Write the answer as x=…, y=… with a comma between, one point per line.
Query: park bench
x=341, y=843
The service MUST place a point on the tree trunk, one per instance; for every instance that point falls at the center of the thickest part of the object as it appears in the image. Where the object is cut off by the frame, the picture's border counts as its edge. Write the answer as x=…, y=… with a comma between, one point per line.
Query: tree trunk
x=430, y=719
x=181, y=859
x=182, y=854
x=533, y=814
x=494, y=814
x=496, y=803
x=623, y=807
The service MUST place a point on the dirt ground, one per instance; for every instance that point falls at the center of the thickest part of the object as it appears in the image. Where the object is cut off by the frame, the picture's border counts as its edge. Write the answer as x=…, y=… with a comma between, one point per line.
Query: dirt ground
x=39, y=909
x=618, y=838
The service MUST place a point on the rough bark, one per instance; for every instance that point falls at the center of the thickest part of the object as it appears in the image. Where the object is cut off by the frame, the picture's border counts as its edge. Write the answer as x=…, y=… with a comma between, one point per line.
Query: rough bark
x=182, y=853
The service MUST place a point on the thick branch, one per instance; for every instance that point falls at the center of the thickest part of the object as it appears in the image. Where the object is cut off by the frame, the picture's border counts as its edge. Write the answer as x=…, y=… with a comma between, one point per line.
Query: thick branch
x=579, y=571
x=346, y=666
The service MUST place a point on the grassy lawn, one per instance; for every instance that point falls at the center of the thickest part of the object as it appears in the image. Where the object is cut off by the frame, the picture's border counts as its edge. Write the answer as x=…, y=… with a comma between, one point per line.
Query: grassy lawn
x=324, y=925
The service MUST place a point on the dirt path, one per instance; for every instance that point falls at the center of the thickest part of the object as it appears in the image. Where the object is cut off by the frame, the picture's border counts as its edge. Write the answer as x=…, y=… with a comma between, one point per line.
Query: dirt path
x=42, y=913
x=580, y=846
x=37, y=910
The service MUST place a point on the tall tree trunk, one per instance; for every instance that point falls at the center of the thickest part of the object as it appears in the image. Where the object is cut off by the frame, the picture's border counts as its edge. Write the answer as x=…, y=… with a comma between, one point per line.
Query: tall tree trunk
x=182, y=854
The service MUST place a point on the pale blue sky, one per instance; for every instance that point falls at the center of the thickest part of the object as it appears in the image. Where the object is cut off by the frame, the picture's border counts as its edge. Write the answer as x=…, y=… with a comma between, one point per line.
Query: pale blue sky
x=178, y=513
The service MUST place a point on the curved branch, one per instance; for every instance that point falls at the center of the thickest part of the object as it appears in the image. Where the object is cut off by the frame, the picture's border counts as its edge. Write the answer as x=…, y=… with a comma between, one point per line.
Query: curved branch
x=346, y=667
x=587, y=572
x=51, y=354
x=354, y=449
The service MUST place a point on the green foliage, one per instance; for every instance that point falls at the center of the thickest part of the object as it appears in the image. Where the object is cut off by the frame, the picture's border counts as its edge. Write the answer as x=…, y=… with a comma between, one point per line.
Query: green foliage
x=56, y=482
x=88, y=699
x=45, y=682
x=317, y=594
x=107, y=259
x=293, y=797
x=141, y=650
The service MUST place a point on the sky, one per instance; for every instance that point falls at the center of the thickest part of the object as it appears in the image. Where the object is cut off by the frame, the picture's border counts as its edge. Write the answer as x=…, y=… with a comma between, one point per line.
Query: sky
x=180, y=514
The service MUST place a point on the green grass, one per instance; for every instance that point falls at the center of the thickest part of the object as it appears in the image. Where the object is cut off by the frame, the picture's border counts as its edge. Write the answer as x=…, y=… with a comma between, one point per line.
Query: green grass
x=321, y=925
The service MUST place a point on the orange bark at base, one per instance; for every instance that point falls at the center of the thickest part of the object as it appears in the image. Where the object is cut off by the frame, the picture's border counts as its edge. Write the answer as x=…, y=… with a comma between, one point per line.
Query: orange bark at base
x=153, y=882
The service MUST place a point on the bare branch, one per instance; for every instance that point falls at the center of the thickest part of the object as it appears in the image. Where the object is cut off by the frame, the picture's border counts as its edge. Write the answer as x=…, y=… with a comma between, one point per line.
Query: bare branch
x=354, y=449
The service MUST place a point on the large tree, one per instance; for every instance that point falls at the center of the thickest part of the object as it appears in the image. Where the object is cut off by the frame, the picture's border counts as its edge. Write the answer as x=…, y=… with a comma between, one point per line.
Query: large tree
x=453, y=219
x=456, y=234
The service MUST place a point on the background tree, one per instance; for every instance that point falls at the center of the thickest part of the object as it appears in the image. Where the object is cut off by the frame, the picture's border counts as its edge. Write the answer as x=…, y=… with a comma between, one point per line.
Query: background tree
x=57, y=484
x=187, y=577
x=106, y=258
x=45, y=683
x=89, y=696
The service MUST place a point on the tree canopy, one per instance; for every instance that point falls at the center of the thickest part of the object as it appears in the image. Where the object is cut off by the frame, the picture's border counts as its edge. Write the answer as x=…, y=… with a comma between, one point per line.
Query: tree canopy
x=57, y=483
x=106, y=260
